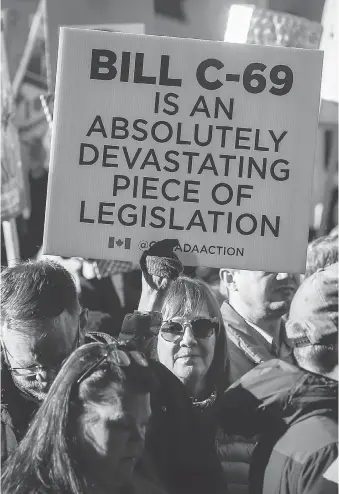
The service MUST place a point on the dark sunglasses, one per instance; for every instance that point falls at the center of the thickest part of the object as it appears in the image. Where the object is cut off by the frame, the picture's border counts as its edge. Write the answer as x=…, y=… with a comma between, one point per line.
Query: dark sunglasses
x=201, y=327
x=122, y=358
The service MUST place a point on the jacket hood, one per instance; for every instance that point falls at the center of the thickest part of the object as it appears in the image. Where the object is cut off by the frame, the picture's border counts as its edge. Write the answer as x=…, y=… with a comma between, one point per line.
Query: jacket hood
x=281, y=392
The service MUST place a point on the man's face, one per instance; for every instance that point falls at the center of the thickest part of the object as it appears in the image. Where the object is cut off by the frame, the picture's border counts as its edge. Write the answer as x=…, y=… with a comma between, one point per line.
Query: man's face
x=39, y=355
x=266, y=294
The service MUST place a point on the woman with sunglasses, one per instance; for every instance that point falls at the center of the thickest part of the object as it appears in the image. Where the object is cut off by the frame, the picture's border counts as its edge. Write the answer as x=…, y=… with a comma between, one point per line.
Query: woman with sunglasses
x=186, y=334
x=88, y=434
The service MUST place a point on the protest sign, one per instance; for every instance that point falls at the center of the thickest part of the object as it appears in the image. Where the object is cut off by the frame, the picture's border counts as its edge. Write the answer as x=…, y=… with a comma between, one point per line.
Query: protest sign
x=122, y=27
x=207, y=142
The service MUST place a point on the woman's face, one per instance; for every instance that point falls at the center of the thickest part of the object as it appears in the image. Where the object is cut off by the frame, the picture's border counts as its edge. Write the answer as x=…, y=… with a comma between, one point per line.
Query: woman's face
x=189, y=358
x=112, y=435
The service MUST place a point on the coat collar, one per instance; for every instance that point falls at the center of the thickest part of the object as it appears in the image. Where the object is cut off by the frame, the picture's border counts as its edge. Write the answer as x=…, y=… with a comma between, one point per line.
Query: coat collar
x=250, y=341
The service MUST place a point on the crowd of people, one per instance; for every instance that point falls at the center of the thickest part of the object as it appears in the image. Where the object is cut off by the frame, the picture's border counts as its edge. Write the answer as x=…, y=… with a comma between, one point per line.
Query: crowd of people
x=195, y=390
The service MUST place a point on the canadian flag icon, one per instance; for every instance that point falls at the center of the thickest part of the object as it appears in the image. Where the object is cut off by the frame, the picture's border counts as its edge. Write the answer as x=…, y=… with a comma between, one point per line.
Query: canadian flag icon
x=119, y=242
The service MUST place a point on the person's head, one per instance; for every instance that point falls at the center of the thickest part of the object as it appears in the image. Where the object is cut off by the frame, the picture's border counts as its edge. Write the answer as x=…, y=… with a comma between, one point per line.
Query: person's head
x=259, y=295
x=91, y=427
x=191, y=340
x=41, y=323
x=321, y=252
x=313, y=323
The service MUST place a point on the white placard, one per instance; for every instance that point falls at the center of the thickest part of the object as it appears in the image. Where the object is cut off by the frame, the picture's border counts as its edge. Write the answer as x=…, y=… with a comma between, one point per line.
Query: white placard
x=208, y=142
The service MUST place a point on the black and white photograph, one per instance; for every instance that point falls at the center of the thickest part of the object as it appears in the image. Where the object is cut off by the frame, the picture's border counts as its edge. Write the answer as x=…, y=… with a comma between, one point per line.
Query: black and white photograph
x=169, y=247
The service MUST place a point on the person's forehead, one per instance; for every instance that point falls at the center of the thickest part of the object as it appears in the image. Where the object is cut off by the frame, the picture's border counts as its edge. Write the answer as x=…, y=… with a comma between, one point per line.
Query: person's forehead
x=201, y=311
x=55, y=334
x=123, y=405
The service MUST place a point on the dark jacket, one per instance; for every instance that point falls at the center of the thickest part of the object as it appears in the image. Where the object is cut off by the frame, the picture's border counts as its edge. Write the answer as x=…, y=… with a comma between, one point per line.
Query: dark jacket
x=247, y=347
x=184, y=461
x=18, y=408
x=296, y=413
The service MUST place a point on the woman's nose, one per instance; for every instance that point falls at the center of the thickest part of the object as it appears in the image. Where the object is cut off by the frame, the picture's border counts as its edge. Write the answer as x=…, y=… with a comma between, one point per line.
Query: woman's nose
x=188, y=336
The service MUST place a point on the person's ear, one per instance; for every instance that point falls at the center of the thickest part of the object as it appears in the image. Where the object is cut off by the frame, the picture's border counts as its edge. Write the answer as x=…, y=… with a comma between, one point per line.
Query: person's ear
x=83, y=318
x=227, y=278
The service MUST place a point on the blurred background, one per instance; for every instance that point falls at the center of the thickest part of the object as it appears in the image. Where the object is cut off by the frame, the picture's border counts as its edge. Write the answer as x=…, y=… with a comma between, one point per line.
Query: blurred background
x=29, y=40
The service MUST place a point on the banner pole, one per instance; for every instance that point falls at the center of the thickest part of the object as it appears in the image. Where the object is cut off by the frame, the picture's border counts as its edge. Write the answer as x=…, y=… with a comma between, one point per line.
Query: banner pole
x=11, y=241
x=21, y=71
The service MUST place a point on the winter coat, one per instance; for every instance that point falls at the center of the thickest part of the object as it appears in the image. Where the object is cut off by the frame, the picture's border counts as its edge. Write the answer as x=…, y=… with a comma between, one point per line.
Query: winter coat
x=184, y=461
x=234, y=452
x=18, y=408
x=296, y=413
x=246, y=347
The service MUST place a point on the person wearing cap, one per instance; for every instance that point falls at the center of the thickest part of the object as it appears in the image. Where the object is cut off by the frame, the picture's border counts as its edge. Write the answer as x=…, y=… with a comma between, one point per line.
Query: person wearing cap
x=321, y=252
x=295, y=408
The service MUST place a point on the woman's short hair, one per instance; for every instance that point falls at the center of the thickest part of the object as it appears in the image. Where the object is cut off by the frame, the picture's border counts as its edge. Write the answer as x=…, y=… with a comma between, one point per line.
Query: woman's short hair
x=51, y=439
x=185, y=295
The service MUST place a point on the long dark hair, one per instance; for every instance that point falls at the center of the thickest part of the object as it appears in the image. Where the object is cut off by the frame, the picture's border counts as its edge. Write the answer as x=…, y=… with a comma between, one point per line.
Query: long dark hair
x=184, y=296
x=46, y=459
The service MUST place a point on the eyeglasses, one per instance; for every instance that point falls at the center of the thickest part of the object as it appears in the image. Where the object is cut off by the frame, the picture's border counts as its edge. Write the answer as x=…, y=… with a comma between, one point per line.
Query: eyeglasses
x=122, y=358
x=201, y=327
x=37, y=370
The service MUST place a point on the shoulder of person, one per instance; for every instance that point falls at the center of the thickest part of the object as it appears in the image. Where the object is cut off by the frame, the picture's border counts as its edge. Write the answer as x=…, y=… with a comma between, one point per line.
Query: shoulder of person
x=8, y=439
x=315, y=473
x=246, y=347
x=243, y=406
x=268, y=378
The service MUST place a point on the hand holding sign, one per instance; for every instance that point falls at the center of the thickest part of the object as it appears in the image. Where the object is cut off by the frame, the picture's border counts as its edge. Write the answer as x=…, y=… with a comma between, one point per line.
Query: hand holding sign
x=159, y=266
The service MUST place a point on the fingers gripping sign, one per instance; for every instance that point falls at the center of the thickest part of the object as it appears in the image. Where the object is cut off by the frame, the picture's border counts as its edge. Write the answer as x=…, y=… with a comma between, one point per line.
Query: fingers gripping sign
x=159, y=265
